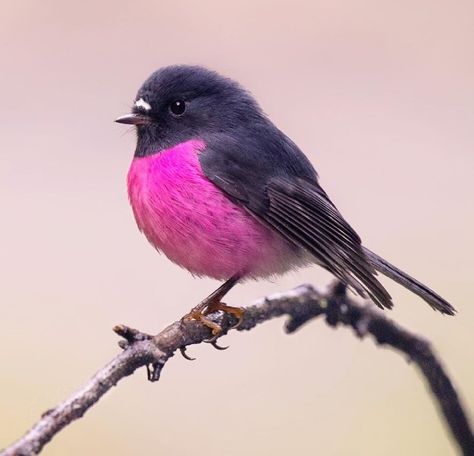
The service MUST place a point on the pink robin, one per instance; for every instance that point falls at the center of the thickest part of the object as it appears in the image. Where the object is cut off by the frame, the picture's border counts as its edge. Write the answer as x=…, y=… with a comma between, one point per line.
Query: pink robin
x=222, y=192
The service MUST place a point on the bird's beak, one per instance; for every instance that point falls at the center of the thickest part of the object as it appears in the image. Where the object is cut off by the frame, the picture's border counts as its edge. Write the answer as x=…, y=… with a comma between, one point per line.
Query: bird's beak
x=134, y=119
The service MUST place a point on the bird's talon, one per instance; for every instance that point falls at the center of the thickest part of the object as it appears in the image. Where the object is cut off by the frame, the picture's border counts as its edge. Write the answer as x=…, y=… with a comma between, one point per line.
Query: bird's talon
x=213, y=304
x=239, y=313
x=212, y=339
x=185, y=356
x=216, y=345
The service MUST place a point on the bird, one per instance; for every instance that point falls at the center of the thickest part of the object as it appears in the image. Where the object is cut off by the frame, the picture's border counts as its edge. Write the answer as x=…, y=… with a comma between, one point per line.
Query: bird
x=225, y=194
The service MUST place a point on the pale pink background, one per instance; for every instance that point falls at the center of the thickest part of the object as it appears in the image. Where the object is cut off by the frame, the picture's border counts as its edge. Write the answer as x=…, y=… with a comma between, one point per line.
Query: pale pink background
x=379, y=94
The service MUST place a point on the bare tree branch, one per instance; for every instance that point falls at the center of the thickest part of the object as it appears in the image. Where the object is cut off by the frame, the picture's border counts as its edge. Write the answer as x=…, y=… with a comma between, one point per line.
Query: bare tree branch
x=301, y=305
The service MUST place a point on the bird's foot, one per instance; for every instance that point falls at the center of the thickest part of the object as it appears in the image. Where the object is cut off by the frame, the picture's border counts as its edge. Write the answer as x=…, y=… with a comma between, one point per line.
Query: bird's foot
x=200, y=313
x=213, y=304
x=237, y=312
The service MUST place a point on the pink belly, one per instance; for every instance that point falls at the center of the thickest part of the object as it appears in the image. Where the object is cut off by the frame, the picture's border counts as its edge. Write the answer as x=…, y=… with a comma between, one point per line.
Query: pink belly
x=195, y=225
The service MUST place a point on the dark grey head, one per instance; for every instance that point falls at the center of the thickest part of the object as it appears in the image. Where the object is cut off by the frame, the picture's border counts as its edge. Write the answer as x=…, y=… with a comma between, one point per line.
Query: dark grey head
x=182, y=102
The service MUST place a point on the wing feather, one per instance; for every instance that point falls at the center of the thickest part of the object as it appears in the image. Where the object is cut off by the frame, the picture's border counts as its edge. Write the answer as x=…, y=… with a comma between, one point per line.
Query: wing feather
x=303, y=214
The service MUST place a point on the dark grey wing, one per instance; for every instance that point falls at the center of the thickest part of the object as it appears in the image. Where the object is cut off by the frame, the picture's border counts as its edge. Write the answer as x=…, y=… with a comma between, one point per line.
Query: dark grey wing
x=303, y=214
x=291, y=202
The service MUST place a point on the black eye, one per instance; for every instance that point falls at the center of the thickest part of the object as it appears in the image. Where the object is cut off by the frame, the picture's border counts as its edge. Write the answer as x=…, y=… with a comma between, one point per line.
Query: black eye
x=178, y=107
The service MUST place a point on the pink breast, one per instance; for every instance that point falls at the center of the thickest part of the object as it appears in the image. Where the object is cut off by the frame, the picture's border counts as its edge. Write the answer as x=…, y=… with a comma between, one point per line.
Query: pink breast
x=194, y=224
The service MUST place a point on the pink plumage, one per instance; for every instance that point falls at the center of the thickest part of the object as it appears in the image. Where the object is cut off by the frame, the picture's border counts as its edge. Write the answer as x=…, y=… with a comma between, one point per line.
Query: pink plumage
x=195, y=225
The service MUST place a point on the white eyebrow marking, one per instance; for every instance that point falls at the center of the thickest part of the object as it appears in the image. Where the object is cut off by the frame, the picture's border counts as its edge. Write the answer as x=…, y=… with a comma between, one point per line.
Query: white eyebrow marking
x=141, y=103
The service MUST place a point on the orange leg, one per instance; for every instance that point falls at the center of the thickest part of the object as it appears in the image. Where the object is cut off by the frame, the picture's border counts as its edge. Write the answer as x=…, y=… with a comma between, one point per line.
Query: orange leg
x=212, y=304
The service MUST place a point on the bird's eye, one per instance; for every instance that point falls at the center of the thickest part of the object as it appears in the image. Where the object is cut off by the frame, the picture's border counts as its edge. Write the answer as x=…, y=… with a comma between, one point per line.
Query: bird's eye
x=178, y=107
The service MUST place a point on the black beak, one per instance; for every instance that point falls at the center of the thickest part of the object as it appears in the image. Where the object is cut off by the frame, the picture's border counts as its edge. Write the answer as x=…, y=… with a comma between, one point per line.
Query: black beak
x=134, y=119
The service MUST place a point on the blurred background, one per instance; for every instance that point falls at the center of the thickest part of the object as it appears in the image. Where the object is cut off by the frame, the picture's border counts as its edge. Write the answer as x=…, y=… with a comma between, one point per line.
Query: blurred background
x=379, y=94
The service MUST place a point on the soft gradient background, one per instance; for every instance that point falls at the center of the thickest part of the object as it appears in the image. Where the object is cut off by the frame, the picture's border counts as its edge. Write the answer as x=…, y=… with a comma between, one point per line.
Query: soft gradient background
x=379, y=94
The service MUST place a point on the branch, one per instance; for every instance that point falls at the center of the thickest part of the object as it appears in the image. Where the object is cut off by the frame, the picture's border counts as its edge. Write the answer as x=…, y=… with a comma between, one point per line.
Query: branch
x=301, y=305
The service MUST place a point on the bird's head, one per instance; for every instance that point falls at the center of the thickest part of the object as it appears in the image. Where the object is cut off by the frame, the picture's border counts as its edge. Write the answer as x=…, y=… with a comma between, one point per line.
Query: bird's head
x=179, y=103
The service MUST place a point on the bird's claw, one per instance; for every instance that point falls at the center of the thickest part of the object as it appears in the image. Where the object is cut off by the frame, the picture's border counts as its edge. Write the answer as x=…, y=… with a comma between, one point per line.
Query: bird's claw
x=200, y=313
x=239, y=313
x=185, y=356
x=214, y=343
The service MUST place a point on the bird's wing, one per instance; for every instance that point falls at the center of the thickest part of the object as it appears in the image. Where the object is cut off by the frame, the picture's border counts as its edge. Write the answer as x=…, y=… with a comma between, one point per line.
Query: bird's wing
x=298, y=209
x=303, y=214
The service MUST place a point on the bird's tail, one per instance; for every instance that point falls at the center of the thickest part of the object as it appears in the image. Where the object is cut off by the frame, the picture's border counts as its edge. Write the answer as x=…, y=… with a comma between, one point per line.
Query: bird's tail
x=425, y=293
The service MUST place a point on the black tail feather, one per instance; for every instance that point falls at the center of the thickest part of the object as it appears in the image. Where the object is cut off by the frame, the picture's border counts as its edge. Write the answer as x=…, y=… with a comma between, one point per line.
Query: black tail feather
x=425, y=293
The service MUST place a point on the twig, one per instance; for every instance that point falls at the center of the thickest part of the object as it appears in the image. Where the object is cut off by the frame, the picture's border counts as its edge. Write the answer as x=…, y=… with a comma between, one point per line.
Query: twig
x=301, y=305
